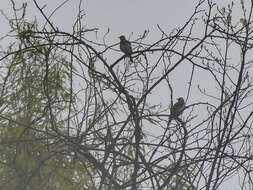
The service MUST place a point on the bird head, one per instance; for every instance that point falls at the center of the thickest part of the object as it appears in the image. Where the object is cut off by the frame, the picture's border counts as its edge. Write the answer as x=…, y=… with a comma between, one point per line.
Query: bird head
x=122, y=38
x=181, y=100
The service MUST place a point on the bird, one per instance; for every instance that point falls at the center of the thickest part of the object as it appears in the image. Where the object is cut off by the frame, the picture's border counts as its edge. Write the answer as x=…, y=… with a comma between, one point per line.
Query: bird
x=125, y=47
x=177, y=109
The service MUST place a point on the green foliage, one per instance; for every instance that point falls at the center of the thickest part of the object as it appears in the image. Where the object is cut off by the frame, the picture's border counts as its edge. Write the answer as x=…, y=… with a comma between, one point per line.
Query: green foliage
x=35, y=77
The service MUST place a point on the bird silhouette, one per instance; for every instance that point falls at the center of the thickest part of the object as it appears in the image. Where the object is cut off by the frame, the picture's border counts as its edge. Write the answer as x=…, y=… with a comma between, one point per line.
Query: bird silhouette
x=125, y=47
x=177, y=109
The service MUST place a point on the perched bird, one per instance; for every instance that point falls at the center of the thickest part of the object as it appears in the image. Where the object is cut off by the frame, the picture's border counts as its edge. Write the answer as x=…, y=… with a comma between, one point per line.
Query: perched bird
x=125, y=47
x=177, y=109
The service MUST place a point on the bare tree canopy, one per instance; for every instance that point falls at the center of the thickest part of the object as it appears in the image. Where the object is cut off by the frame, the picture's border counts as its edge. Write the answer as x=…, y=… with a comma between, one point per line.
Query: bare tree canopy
x=85, y=114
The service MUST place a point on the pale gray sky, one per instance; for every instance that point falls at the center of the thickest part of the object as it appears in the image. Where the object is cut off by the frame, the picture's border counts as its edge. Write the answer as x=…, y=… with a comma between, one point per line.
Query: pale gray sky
x=126, y=17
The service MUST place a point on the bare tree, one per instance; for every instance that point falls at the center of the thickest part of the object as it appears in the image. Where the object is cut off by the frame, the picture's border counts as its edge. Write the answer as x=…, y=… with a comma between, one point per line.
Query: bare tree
x=96, y=117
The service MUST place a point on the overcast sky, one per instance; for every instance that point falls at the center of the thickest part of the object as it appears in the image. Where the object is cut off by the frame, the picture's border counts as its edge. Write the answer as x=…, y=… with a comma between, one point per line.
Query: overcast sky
x=130, y=18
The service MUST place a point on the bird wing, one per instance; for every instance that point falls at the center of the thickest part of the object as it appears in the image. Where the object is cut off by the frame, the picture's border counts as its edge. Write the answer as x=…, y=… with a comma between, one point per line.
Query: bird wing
x=177, y=109
x=126, y=48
